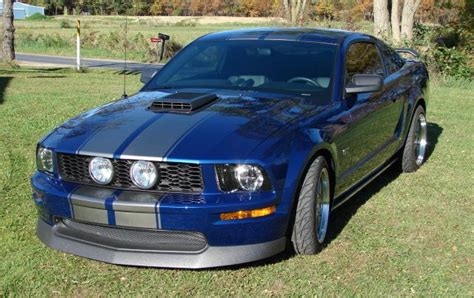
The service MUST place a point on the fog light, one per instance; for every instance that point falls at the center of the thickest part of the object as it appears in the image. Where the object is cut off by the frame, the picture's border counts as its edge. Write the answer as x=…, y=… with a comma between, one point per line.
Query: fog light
x=248, y=213
x=37, y=197
x=101, y=170
x=144, y=174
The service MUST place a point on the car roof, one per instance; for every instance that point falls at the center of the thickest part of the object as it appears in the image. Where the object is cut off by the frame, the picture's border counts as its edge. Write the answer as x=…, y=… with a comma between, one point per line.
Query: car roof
x=333, y=36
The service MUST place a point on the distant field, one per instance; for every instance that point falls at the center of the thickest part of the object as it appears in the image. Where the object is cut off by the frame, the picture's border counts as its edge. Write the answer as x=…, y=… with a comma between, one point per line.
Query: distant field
x=56, y=35
x=403, y=235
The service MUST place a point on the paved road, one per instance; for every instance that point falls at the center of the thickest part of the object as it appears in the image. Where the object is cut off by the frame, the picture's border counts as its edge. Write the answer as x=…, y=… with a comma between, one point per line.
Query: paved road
x=92, y=63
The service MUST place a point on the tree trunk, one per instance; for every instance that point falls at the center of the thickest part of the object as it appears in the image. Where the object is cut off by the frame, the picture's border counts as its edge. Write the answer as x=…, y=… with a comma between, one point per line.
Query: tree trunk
x=396, y=21
x=286, y=8
x=295, y=10
x=8, y=46
x=381, y=21
x=408, y=16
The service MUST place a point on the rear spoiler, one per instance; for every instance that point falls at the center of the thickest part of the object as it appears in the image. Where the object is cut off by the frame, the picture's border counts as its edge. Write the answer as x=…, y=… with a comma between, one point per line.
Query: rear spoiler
x=412, y=52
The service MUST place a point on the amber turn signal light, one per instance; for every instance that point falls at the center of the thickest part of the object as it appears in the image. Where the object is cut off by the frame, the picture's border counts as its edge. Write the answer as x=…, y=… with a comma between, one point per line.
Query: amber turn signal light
x=248, y=213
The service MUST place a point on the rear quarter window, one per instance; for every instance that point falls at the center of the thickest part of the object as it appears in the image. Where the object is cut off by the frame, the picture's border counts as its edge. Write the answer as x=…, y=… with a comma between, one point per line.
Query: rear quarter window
x=392, y=60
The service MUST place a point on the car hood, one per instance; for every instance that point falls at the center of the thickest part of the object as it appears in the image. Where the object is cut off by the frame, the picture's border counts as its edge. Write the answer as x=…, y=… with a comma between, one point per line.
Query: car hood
x=230, y=128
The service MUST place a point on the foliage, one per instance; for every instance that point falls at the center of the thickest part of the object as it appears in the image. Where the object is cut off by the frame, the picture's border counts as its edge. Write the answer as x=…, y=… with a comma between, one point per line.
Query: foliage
x=256, y=8
x=450, y=62
x=43, y=40
x=434, y=11
x=362, y=10
x=326, y=9
x=446, y=50
x=37, y=17
x=112, y=41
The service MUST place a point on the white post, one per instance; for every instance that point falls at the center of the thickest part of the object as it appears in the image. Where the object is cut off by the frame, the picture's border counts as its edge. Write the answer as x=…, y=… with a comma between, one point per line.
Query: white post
x=78, y=46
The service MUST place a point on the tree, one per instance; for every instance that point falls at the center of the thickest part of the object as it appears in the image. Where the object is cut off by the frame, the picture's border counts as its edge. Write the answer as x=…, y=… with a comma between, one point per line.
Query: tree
x=8, y=46
x=381, y=20
x=408, y=15
x=395, y=18
x=295, y=10
x=382, y=23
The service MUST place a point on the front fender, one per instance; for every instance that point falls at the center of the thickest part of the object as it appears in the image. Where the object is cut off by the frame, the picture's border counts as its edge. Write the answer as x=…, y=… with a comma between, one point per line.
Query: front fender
x=289, y=155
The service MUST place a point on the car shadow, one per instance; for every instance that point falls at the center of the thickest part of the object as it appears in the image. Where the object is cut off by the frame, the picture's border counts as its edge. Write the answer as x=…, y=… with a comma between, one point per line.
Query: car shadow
x=434, y=132
x=4, y=82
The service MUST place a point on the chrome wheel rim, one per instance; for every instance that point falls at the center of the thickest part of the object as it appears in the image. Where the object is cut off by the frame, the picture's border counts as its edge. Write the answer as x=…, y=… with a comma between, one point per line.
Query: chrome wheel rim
x=420, y=139
x=322, y=205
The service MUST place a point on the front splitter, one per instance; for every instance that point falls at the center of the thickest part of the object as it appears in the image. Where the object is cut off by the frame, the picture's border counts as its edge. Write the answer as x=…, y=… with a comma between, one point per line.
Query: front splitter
x=211, y=256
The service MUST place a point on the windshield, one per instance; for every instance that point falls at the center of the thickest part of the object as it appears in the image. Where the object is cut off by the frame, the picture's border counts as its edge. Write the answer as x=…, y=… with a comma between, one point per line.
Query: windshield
x=283, y=66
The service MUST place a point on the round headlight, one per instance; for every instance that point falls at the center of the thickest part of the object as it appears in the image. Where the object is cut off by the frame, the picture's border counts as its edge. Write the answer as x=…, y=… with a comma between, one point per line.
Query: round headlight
x=249, y=177
x=144, y=174
x=101, y=170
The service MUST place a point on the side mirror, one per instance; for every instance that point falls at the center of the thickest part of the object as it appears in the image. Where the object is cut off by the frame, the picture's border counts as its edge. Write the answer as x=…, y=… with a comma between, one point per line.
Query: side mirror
x=147, y=74
x=361, y=83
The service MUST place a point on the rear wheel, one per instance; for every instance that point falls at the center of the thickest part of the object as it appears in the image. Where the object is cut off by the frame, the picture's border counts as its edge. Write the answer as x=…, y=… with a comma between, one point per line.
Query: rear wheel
x=414, y=152
x=313, y=209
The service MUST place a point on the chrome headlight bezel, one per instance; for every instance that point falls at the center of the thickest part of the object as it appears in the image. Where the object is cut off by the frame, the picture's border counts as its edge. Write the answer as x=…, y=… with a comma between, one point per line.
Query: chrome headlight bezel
x=94, y=167
x=44, y=159
x=138, y=168
x=232, y=178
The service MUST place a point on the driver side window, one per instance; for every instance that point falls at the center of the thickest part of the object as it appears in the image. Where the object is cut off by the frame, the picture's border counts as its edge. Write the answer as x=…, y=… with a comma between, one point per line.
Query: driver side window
x=363, y=58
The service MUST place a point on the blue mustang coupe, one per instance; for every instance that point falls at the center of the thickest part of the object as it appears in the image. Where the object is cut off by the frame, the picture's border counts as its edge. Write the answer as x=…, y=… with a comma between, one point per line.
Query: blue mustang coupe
x=244, y=143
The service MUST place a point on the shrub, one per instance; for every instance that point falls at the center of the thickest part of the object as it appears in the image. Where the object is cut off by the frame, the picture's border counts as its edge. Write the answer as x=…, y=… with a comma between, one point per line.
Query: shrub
x=450, y=62
x=43, y=40
x=64, y=24
x=186, y=23
x=445, y=49
x=37, y=17
x=139, y=47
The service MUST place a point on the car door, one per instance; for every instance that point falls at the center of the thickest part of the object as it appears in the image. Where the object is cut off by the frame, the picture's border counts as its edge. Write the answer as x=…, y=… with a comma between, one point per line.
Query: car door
x=374, y=115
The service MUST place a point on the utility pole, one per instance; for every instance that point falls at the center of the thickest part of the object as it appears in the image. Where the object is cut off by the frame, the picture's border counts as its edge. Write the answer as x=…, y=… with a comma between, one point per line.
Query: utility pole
x=78, y=45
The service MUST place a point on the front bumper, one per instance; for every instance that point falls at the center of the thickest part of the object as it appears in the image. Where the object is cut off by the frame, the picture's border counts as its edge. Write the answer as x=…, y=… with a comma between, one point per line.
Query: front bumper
x=226, y=242
x=57, y=237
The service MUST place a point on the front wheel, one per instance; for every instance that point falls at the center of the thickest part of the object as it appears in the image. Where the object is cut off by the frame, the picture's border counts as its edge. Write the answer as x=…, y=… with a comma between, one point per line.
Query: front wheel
x=313, y=209
x=414, y=152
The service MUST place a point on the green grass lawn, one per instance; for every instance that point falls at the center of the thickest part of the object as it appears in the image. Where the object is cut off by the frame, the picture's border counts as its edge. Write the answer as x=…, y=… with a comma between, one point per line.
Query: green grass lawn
x=404, y=234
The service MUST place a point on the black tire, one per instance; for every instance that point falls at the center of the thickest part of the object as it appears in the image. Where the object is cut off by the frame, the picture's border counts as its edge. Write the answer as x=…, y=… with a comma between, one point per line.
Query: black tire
x=305, y=237
x=413, y=154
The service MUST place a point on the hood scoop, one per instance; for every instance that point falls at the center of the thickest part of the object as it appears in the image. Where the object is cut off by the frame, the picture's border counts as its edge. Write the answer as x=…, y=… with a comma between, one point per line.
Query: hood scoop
x=183, y=102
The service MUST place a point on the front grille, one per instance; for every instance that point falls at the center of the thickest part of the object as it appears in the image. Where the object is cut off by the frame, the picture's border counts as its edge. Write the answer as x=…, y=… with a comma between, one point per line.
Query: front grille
x=132, y=239
x=173, y=177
